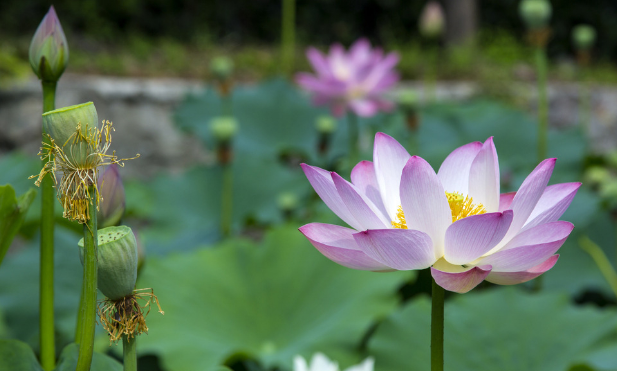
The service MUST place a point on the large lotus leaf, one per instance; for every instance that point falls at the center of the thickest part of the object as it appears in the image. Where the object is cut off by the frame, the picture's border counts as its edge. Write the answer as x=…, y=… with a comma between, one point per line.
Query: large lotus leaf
x=19, y=288
x=100, y=362
x=185, y=209
x=17, y=356
x=273, y=116
x=269, y=301
x=12, y=213
x=500, y=329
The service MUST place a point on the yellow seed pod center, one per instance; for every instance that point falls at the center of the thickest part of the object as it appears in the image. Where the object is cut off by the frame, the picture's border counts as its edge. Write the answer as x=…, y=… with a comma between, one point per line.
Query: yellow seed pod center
x=460, y=206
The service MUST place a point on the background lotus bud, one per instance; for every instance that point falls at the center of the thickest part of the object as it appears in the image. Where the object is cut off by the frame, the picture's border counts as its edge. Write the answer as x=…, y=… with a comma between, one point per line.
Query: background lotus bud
x=224, y=128
x=221, y=67
x=61, y=124
x=111, y=189
x=408, y=102
x=597, y=175
x=583, y=37
x=49, y=51
x=432, y=20
x=535, y=13
x=117, y=261
x=287, y=202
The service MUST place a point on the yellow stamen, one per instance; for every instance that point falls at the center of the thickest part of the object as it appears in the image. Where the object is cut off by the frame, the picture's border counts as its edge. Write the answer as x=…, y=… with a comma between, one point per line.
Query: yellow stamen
x=400, y=216
x=463, y=207
x=460, y=206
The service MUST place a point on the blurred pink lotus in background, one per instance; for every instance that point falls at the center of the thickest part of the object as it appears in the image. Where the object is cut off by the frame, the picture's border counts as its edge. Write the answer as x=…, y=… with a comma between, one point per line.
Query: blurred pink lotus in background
x=351, y=80
x=405, y=216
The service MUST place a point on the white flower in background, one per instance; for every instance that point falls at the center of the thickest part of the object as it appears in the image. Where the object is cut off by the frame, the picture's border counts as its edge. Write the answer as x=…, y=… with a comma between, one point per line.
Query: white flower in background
x=320, y=362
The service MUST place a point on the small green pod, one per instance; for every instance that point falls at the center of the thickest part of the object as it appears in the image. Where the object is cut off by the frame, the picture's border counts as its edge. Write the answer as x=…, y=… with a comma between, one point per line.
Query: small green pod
x=61, y=124
x=535, y=13
x=583, y=37
x=117, y=261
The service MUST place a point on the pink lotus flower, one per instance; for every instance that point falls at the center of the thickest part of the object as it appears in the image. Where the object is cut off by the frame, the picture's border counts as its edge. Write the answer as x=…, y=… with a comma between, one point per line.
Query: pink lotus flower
x=405, y=216
x=352, y=80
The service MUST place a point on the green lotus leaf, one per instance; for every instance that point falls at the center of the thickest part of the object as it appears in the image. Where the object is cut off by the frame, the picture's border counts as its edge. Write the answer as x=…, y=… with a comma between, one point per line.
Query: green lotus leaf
x=500, y=329
x=269, y=301
x=17, y=355
x=12, y=213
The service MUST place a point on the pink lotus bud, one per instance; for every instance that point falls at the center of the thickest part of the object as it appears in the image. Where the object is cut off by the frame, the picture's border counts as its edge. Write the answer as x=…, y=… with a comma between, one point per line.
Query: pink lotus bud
x=49, y=51
x=111, y=190
x=432, y=20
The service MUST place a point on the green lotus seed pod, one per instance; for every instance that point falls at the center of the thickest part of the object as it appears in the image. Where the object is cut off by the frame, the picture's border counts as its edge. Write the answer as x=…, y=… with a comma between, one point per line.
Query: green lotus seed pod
x=61, y=124
x=117, y=261
x=597, y=175
x=583, y=36
x=408, y=99
x=224, y=127
x=222, y=67
x=287, y=201
x=535, y=13
x=326, y=124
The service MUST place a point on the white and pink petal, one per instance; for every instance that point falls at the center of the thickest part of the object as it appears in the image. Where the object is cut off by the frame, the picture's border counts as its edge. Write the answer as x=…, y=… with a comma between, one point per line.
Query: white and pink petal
x=553, y=203
x=360, y=206
x=337, y=244
x=460, y=281
x=389, y=159
x=454, y=170
x=514, y=278
x=484, y=177
x=401, y=249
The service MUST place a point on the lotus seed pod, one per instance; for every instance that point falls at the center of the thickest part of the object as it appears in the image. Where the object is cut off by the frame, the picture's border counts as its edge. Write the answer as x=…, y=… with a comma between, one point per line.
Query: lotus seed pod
x=597, y=175
x=49, y=51
x=287, y=201
x=224, y=128
x=326, y=124
x=222, y=67
x=113, y=204
x=432, y=20
x=408, y=99
x=535, y=13
x=61, y=124
x=117, y=261
x=583, y=36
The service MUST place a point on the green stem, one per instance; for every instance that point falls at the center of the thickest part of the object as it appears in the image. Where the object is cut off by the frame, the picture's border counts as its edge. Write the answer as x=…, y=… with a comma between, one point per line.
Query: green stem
x=227, y=200
x=598, y=256
x=130, y=353
x=88, y=305
x=352, y=126
x=540, y=55
x=80, y=313
x=288, y=35
x=437, y=315
x=46, y=278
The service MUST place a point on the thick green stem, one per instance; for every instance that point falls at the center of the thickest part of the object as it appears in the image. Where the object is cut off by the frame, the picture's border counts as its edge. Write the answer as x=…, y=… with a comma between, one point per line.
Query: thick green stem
x=352, y=126
x=130, y=354
x=288, y=35
x=88, y=305
x=80, y=314
x=542, y=103
x=227, y=200
x=46, y=278
x=437, y=314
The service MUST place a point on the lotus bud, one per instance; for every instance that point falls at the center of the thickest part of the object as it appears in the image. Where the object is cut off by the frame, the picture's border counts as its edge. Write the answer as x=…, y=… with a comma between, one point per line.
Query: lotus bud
x=63, y=126
x=224, y=128
x=117, y=261
x=111, y=189
x=432, y=20
x=535, y=13
x=287, y=202
x=49, y=51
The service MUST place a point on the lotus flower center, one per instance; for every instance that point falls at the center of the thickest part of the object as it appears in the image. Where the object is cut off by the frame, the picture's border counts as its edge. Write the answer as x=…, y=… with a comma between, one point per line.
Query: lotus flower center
x=460, y=206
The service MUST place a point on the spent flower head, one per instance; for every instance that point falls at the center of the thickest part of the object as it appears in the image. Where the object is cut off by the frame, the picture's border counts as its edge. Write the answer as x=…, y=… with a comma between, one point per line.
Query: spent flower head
x=121, y=313
x=535, y=13
x=405, y=216
x=351, y=80
x=583, y=36
x=76, y=148
x=49, y=51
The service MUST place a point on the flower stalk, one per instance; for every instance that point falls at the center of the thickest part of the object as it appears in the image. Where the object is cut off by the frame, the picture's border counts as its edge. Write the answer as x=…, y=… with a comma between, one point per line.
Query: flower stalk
x=88, y=300
x=130, y=354
x=540, y=57
x=288, y=35
x=437, y=320
x=46, y=279
x=353, y=131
